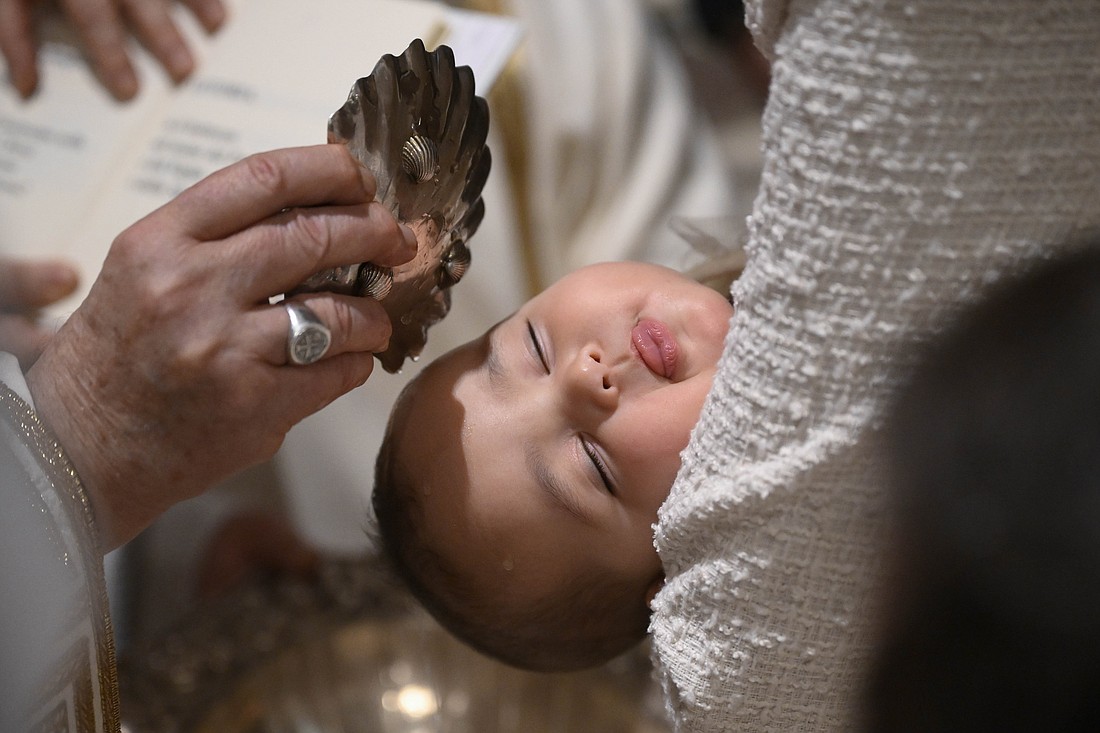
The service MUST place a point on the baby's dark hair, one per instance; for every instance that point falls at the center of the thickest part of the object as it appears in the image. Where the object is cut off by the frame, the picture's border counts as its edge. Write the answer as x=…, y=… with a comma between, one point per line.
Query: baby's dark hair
x=586, y=624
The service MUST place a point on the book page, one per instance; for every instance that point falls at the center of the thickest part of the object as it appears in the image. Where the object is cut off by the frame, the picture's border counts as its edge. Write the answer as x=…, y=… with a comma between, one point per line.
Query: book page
x=57, y=150
x=483, y=42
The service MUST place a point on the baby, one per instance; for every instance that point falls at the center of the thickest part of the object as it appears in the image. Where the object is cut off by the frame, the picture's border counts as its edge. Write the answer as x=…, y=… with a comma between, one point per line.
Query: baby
x=521, y=473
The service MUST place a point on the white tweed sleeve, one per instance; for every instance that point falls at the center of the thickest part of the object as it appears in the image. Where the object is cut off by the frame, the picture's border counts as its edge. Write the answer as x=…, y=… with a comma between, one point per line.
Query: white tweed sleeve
x=915, y=152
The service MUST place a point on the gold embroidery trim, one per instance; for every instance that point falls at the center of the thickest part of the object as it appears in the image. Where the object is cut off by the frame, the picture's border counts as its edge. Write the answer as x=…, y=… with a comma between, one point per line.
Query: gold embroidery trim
x=63, y=477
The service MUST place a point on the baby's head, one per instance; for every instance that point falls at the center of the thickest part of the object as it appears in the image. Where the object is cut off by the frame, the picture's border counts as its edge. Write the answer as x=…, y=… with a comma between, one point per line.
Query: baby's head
x=520, y=477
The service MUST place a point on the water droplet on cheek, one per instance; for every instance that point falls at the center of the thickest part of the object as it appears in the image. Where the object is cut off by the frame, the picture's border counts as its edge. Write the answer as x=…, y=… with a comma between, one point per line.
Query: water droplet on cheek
x=508, y=564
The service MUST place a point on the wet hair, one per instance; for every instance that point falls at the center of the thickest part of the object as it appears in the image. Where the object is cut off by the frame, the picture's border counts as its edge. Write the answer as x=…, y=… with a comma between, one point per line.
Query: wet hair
x=994, y=447
x=588, y=622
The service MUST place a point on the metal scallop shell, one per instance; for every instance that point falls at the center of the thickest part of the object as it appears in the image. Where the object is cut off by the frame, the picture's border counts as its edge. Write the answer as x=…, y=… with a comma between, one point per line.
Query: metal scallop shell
x=454, y=264
x=417, y=125
x=420, y=158
x=374, y=281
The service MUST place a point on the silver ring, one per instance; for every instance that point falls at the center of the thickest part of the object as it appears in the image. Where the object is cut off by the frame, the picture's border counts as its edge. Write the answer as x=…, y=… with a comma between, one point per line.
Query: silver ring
x=307, y=339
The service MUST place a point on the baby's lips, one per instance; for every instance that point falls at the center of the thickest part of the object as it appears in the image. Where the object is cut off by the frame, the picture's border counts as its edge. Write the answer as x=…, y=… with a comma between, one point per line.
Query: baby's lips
x=656, y=346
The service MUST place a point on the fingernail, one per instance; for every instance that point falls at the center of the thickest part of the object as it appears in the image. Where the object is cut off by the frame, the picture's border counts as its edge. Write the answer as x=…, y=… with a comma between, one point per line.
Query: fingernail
x=125, y=84
x=58, y=282
x=213, y=15
x=25, y=84
x=180, y=63
x=409, y=235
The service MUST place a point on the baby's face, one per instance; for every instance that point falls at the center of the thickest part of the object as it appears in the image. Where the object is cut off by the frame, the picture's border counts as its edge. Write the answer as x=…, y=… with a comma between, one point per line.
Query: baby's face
x=548, y=444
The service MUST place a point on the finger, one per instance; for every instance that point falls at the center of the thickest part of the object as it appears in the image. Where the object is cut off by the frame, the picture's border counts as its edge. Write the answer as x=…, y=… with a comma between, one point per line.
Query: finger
x=27, y=285
x=210, y=13
x=281, y=253
x=303, y=391
x=261, y=185
x=18, y=45
x=309, y=389
x=99, y=25
x=357, y=325
x=22, y=337
x=152, y=23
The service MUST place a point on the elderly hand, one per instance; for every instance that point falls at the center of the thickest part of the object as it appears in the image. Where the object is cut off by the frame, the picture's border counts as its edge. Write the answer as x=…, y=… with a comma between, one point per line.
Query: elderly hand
x=174, y=373
x=102, y=26
x=26, y=286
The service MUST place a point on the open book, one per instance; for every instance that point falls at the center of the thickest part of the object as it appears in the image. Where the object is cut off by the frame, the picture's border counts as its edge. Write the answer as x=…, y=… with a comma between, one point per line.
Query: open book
x=76, y=168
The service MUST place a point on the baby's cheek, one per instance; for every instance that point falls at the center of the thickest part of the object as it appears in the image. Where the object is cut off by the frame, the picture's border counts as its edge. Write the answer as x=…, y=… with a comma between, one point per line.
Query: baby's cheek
x=651, y=433
x=656, y=448
x=678, y=409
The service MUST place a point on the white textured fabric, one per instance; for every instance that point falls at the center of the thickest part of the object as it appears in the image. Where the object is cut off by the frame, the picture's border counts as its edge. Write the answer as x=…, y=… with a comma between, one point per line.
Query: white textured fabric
x=915, y=151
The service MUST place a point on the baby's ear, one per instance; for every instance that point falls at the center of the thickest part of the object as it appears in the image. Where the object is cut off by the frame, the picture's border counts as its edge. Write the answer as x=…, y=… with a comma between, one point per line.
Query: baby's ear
x=651, y=592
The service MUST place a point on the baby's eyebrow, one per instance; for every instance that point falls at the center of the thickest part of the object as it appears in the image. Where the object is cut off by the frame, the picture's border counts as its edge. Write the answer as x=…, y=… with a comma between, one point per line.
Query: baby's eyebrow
x=552, y=485
x=493, y=365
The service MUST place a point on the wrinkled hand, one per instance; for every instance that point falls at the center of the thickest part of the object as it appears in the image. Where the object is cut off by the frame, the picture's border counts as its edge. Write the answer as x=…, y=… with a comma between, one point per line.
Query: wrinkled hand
x=173, y=373
x=26, y=286
x=103, y=27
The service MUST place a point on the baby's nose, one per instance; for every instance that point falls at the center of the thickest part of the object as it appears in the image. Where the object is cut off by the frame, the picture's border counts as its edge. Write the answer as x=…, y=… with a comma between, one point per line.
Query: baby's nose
x=589, y=381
